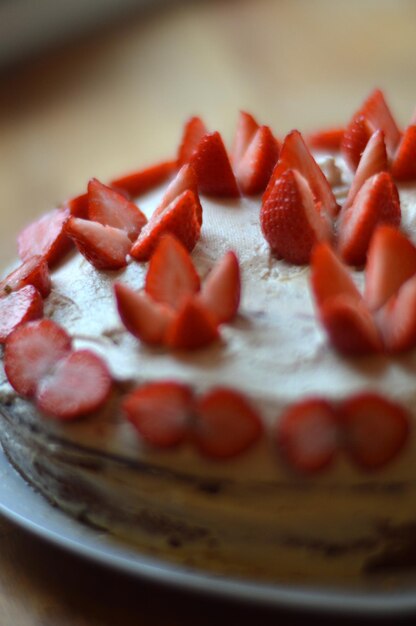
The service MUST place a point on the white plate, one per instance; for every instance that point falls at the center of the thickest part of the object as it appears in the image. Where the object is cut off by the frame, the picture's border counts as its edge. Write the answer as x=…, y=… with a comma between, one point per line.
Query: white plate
x=22, y=505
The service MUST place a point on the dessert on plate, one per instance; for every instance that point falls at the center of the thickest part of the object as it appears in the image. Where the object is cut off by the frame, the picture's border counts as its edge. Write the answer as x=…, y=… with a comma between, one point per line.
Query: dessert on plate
x=214, y=357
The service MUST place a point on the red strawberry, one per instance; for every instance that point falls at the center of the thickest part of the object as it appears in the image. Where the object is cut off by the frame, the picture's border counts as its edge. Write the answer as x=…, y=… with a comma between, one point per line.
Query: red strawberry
x=391, y=260
x=245, y=131
x=110, y=208
x=330, y=277
x=377, y=202
x=77, y=206
x=103, y=246
x=146, y=179
x=143, y=317
x=307, y=435
x=350, y=326
x=213, y=169
x=254, y=169
x=373, y=161
x=79, y=384
x=193, y=132
x=355, y=139
x=296, y=155
x=226, y=424
x=192, y=328
x=327, y=140
x=397, y=319
x=171, y=276
x=290, y=221
x=160, y=412
x=221, y=290
x=46, y=237
x=18, y=308
x=32, y=351
x=180, y=218
x=185, y=180
x=375, y=430
x=403, y=166
x=34, y=272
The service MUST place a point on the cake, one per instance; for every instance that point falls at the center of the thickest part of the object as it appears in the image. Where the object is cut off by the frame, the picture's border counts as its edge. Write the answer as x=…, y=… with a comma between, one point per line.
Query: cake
x=280, y=440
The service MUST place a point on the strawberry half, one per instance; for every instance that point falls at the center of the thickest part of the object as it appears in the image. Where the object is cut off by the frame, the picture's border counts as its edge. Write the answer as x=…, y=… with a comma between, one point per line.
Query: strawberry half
x=213, y=169
x=373, y=161
x=330, y=277
x=245, y=131
x=18, y=308
x=110, y=208
x=193, y=132
x=376, y=203
x=160, y=412
x=307, y=435
x=375, y=430
x=34, y=272
x=289, y=219
x=356, y=137
x=31, y=351
x=192, y=328
x=403, y=166
x=77, y=206
x=226, y=424
x=171, y=276
x=397, y=319
x=255, y=167
x=184, y=180
x=104, y=247
x=221, y=290
x=144, y=180
x=326, y=140
x=46, y=237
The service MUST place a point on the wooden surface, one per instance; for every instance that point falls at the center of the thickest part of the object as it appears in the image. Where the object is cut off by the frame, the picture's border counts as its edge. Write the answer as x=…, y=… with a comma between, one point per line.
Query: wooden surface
x=116, y=101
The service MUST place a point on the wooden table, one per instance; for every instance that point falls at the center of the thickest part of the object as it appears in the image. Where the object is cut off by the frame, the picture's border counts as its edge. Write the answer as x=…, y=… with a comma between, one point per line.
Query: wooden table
x=116, y=101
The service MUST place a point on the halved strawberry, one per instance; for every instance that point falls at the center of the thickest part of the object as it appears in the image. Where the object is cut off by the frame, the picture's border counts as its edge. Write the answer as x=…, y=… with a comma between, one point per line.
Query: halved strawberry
x=143, y=317
x=144, y=180
x=296, y=155
x=110, y=208
x=171, y=276
x=355, y=139
x=184, y=180
x=329, y=276
x=46, y=237
x=226, y=424
x=78, y=205
x=350, y=326
x=32, y=351
x=245, y=131
x=307, y=435
x=160, y=412
x=18, y=308
x=192, y=328
x=34, y=272
x=289, y=219
x=403, y=166
x=391, y=260
x=397, y=318
x=255, y=167
x=221, y=290
x=193, y=132
x=375, y=430
x=79, y=384
x=213, y=169
x=373, y=161
x=326, y=140
x=103, y=246
x=180, y=218
x=376, y=203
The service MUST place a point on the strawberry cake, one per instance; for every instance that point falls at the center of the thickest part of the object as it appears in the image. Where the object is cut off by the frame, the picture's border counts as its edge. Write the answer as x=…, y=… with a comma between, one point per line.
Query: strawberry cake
x=215, y=357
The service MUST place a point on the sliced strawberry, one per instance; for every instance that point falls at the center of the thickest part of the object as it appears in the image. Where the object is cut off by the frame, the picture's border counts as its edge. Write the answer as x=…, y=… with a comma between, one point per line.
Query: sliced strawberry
x=79, y=384
x=226, y=424
x=143, y=317
x=18, y=308
x=356, y=137
x=307, y=435
x=350, y=326
x=221, y=290
x=403, y=166
x=145, y=179
x=171, y=276
x=160, y=412
x=34, y=272
x=245, y=131
x=256, y=165
x=397, y=319
x=391, y=260
x=192, y=328
x=193, y=132
x=373, y=161
x=326, y=140
x=180, y=218
x=289, y=219
x=376, y=203
x=103, y=246
x=330, y=277
x=77, y=206
x=185, y=180
x=213, y=169
x=296, y=155
x=46, y=237
x=32, y=351
x=375, y=430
